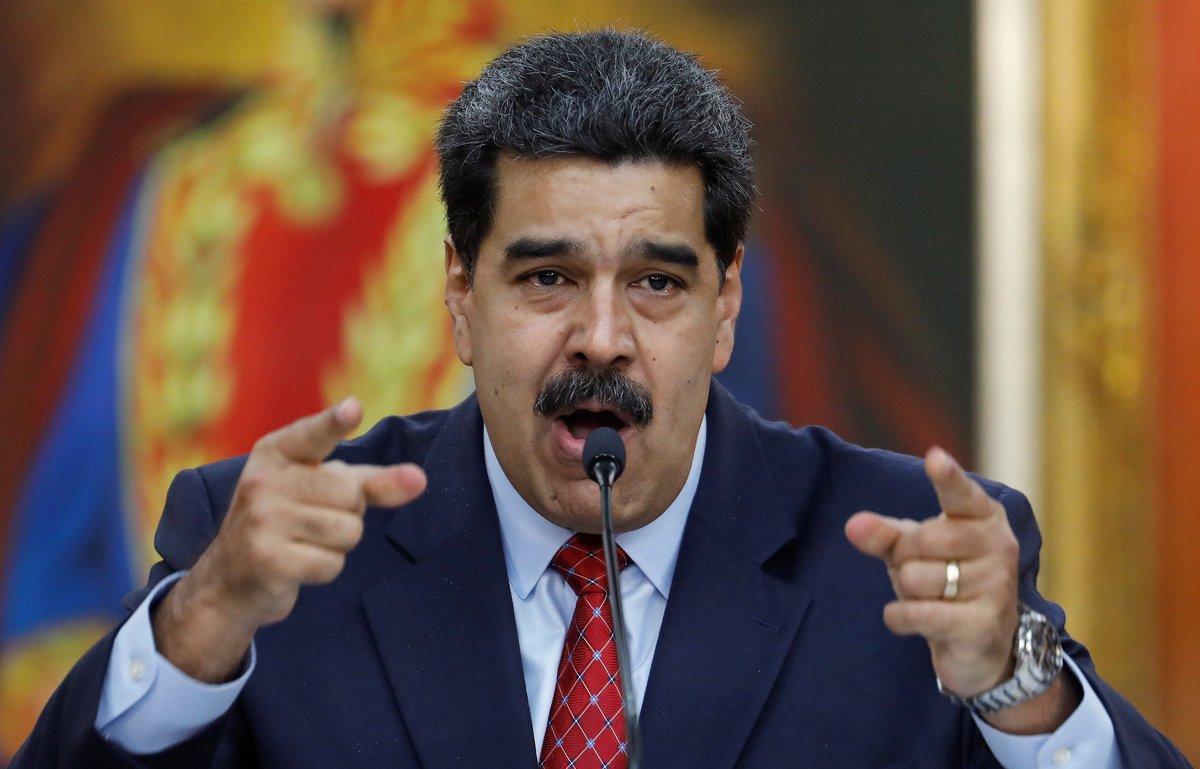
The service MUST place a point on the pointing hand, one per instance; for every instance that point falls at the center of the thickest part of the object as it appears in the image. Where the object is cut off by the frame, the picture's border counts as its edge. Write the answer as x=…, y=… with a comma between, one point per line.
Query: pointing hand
x=955, y=578
x=292, y=520
x=970, y=635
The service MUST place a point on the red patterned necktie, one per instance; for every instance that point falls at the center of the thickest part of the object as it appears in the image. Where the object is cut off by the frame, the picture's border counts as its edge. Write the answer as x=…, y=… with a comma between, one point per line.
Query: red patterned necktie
x=586, y=729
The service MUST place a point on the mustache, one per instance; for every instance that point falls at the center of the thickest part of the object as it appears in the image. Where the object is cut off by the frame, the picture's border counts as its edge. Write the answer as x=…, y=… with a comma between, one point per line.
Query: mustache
x=611, y=388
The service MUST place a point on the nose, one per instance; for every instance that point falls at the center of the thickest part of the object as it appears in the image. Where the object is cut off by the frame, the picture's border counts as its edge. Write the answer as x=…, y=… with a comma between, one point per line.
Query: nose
x=601, y=333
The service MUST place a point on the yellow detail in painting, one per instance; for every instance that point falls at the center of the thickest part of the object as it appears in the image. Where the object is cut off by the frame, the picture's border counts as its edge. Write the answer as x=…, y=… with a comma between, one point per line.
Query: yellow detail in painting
x=398, y=352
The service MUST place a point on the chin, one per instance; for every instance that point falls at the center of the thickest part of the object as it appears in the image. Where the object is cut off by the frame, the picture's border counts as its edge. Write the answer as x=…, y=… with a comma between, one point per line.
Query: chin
x=579, y=507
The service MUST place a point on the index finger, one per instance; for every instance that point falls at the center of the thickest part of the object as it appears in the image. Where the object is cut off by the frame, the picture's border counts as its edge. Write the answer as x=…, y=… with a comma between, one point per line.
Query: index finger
x=957, y=493
x=389, y=486
x=876, y=534
x=312, y=438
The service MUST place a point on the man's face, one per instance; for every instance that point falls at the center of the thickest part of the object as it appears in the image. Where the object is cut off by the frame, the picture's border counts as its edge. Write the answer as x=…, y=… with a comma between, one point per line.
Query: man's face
x=594, y=268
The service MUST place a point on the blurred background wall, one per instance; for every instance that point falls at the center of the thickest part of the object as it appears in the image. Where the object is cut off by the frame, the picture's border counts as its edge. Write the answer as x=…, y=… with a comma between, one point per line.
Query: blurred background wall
x=975, y=230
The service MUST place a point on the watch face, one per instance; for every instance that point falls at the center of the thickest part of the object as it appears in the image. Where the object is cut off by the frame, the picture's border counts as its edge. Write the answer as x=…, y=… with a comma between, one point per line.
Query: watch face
x=1038, y=645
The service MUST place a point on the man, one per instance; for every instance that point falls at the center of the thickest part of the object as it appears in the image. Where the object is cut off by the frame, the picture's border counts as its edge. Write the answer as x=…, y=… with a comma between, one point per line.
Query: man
x=428, y=594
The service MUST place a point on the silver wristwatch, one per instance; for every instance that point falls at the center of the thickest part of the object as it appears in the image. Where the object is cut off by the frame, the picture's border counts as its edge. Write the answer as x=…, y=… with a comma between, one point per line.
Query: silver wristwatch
x=1039, y=659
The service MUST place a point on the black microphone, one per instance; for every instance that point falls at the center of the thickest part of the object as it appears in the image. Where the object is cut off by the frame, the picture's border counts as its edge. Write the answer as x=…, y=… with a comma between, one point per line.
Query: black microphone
x=604, y=461
x=604, y=456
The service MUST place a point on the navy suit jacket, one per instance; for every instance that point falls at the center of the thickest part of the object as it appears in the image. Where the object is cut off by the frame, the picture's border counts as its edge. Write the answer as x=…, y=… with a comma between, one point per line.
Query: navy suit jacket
x=772, y=651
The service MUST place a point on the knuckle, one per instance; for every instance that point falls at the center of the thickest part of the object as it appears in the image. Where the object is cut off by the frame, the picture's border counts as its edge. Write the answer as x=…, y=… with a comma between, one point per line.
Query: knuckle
x=326, y=569
x=338, y=486
x=293, y=474
x=1008, y=546
x=337, y=530
x=900, y=618
x=339, y=494
x=964, y=541
x=260, y=555
x=354, y=496
x=251, y=522
x=352, y=493
x=253, y=482
x=261, y=514
x=341, y=532
x=315, y=527
x=931, y=538
x=920, y=538
x=891, y=616
x=353, y=531
x=909, y=578
x=291, y=571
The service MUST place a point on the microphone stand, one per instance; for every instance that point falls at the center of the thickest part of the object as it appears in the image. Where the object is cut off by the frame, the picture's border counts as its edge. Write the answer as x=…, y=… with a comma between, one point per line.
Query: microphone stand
x=605, y=473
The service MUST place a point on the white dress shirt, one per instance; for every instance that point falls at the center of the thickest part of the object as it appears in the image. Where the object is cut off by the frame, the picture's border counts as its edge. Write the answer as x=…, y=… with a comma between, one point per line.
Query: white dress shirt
x=543, y=601
x=148, y=704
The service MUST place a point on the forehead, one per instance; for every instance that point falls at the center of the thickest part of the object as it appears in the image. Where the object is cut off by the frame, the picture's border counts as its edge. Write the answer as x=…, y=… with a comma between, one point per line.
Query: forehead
x=602, y=204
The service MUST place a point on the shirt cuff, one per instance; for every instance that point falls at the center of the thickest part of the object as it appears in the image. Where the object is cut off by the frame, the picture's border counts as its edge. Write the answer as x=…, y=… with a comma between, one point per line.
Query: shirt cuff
x=147, y=704
x=1085, y=739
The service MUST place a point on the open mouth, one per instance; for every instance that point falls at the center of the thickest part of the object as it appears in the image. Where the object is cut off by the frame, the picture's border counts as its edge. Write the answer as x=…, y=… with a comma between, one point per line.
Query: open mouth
x=581, y=422
x=571, y=426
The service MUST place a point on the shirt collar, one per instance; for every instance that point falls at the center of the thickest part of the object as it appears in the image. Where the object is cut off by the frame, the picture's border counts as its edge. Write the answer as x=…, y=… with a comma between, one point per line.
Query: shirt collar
x=530, y=540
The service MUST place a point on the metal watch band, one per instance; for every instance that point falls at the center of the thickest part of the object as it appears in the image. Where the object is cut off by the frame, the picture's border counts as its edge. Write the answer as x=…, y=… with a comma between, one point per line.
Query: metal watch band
x=1038, y=654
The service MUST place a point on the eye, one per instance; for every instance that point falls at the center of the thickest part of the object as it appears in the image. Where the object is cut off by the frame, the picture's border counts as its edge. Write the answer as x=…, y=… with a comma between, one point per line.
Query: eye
x=547, y=277
x=659, y=283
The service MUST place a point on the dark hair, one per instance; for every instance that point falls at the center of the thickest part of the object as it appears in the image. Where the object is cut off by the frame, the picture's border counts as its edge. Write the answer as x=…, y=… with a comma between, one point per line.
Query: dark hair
x=606, y=94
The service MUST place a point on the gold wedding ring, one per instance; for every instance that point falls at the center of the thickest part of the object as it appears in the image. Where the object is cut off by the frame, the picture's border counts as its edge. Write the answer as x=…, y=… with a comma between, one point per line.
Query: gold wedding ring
x=950, y=592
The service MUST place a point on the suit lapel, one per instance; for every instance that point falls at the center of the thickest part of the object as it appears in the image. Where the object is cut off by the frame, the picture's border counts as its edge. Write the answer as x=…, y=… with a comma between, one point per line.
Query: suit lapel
x=729, y=623
x=444, y=623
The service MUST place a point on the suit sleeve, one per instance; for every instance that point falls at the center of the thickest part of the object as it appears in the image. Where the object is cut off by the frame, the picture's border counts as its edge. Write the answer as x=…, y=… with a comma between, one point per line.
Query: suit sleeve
x=1139, y=743
x=65, y=735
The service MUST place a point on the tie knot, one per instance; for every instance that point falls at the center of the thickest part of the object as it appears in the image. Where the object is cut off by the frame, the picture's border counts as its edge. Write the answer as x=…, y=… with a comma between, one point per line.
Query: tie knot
x=581, y=562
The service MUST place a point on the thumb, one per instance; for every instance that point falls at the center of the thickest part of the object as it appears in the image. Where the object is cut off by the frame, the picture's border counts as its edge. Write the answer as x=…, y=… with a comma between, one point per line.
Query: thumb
x=392, y=486
x=312, y=438
x=875, y=534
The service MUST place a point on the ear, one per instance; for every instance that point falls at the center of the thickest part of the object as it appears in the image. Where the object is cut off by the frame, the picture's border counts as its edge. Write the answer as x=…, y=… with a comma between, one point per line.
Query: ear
x=729, y=304
x=459, y=301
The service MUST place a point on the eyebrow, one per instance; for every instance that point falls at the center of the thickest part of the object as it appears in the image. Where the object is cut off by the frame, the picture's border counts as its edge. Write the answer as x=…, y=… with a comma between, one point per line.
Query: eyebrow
x=540, y=248
x=679, y=254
